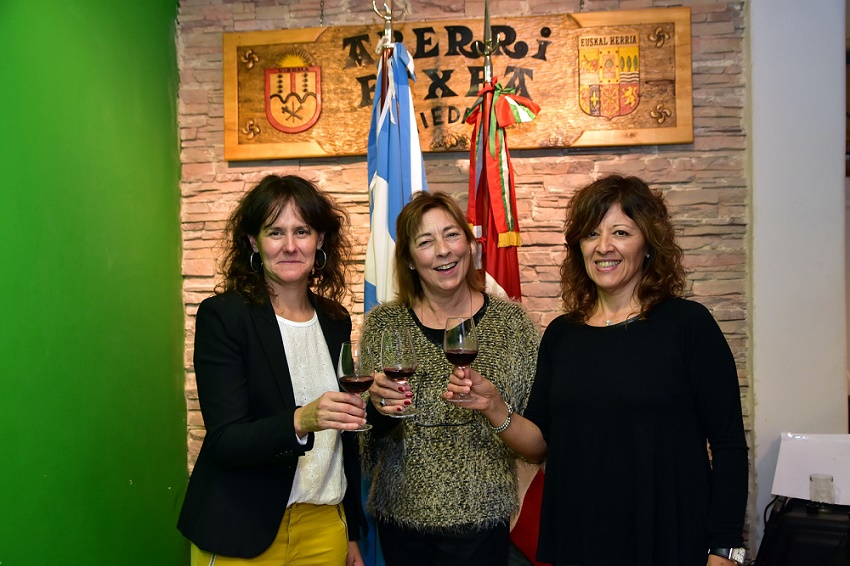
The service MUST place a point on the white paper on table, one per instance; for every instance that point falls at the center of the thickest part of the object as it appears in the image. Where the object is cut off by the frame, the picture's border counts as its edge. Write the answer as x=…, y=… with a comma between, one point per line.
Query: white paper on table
x=801, y=455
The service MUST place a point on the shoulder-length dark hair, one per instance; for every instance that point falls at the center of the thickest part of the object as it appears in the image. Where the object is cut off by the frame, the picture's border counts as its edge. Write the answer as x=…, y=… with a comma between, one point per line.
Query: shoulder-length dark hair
x=407, y=226
x=262, y=205
x=663, y=272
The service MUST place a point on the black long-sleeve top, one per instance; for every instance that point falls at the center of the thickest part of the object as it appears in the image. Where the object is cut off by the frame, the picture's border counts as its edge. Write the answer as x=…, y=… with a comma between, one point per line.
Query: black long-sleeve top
x=627, y=411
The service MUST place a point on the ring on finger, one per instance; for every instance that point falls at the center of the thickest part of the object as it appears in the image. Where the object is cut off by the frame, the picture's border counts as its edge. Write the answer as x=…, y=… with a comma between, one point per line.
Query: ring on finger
x=383, y=402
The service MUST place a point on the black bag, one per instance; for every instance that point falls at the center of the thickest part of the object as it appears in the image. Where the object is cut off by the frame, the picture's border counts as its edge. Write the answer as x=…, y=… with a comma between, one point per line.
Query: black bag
x=798, y=533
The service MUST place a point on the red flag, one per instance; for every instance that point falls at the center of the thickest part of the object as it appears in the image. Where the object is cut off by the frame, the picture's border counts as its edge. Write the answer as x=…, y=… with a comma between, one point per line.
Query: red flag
x=492, y=212
x=492, y=200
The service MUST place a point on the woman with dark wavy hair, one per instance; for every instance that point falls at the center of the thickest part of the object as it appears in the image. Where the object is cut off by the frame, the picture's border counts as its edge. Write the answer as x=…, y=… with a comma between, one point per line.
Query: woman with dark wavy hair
x=276, y=481
x=632, y=383
x=661, y=275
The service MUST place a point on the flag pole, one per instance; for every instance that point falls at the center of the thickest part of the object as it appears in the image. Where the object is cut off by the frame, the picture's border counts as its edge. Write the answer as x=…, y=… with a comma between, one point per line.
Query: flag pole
x=491, y=175
x=486, y=48
x=395, y=172
x=386, y=41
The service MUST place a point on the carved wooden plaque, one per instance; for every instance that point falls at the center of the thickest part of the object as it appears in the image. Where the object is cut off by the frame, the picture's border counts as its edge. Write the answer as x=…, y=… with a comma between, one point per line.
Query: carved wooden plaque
x=600, y=78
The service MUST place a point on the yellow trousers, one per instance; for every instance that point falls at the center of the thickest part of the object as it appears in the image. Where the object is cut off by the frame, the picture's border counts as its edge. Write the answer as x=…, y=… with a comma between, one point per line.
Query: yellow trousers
x=309, y=535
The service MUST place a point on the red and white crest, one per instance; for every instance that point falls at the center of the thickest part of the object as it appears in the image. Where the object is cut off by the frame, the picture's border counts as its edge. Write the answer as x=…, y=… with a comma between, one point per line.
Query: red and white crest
x=293, y=97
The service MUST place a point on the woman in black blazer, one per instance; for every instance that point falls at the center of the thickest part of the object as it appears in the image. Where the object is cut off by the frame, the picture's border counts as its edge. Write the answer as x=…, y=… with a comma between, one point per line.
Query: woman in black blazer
x=276, y=480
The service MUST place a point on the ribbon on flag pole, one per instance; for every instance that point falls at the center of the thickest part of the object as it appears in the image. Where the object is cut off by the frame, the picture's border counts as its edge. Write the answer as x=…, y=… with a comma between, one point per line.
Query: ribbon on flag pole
x=492, y=198
x=492, y=212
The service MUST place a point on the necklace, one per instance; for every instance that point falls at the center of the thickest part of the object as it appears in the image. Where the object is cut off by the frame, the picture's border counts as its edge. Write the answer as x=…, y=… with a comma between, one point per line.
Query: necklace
x=620, y=316
x=627, y=321
x=614, y=320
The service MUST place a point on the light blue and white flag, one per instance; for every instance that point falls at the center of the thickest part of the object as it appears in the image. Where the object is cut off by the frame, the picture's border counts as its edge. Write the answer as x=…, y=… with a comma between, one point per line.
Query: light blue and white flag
x=396, y=172
x=395, y=167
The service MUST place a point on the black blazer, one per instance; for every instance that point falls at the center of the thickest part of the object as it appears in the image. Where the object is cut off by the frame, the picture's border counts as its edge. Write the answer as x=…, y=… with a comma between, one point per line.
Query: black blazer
x=243, y=476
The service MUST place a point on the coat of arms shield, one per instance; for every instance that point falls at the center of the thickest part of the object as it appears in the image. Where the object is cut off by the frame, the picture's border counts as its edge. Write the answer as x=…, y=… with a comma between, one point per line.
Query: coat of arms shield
x=293, y=97
x=609, y=75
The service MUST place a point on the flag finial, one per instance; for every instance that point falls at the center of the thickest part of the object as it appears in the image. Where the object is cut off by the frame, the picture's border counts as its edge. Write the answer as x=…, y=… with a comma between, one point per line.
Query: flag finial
x=490, y=45
x=387, y=16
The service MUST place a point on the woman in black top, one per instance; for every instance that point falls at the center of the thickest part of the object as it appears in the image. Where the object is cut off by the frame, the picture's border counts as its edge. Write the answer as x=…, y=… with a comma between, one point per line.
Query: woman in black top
x=274, y=458
x=631, y=384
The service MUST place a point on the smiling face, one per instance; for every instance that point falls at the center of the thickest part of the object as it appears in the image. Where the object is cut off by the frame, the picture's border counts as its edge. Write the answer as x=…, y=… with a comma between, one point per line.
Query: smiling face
x=287, y=245
x=614, y=253
x=441, y=254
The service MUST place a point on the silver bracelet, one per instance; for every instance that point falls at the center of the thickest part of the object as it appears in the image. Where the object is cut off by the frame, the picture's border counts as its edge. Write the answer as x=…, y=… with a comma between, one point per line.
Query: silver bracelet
x=506, y=424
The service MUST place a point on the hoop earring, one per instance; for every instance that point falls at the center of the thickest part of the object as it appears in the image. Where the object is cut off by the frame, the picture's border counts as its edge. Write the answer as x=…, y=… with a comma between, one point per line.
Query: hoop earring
x=251, y=263
x=324, y=257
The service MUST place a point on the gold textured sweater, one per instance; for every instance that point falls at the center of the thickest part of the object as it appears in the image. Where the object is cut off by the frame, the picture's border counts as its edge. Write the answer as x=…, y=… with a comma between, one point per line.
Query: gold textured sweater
x=445, y=470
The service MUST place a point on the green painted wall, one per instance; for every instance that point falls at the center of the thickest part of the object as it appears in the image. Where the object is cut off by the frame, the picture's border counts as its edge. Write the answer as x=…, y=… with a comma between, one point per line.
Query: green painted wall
x=92, y=417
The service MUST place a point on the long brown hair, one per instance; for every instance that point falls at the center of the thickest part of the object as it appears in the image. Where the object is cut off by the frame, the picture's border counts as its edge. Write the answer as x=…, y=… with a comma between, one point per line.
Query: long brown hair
x=407, y=225
x=263, y=204
x=663, y=273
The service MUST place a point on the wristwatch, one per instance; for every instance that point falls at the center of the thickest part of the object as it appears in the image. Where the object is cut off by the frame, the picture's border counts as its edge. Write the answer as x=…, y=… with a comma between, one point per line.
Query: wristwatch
x=736, y=555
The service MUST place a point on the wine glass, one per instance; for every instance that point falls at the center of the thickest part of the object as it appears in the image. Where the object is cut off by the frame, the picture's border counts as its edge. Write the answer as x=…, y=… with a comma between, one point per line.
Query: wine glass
x=460, y=344
x=398, y=361
x=353, y=377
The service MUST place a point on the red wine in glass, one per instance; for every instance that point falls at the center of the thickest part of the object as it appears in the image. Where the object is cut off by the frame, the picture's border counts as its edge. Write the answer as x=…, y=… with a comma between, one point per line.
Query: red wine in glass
x=356, y=384
x=398, y=361
x=461, y=358
x=352, y=376
x=399, y=375
x=460, y=344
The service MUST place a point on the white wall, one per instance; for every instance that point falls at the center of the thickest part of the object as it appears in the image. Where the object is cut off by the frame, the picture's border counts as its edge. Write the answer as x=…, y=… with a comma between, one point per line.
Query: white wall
x=798, y=240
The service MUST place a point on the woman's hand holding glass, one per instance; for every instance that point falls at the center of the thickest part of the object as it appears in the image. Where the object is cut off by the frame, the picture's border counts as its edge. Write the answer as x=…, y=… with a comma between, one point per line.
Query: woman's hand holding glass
x=334, y=409
x=353, y=376
x=460, y=344
x=391, y=393
x=388, y=396
x=478, y=392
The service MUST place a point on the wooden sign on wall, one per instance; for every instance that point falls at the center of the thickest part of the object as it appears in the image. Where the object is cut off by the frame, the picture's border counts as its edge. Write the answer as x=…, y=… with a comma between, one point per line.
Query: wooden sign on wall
x=600, y=78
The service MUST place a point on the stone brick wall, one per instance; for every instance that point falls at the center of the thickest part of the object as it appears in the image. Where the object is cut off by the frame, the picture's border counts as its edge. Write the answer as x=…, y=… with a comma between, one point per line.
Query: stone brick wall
x=705, y=183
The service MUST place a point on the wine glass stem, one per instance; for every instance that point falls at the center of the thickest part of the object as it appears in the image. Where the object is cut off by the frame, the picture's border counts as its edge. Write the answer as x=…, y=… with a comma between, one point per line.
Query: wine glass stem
x=462, y=395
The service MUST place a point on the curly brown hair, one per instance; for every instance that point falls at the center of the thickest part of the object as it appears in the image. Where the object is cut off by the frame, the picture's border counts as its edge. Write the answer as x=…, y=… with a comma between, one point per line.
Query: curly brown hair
x=261, y=205
x=407, y=225
x=663, y=272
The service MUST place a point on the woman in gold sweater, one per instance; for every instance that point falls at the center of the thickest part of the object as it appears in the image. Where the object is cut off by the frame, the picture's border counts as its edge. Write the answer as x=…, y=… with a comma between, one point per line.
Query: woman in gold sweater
x=444, y=485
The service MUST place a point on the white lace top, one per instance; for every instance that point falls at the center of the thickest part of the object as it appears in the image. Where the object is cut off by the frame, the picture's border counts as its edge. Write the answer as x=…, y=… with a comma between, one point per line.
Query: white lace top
x=319, y=477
